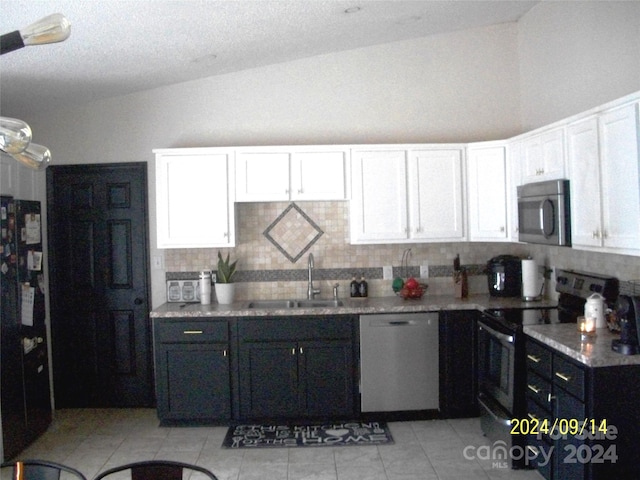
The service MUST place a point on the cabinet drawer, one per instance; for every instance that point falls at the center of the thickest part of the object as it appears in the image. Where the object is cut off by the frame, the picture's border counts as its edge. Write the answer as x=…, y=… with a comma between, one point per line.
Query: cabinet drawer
x=568, y=376
x=538, y=388
x=181, y=331
x=539, y=359
x=295, y=328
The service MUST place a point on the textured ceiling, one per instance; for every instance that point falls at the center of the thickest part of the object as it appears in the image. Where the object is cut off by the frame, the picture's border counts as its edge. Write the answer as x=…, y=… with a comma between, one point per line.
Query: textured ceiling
x=118, y=47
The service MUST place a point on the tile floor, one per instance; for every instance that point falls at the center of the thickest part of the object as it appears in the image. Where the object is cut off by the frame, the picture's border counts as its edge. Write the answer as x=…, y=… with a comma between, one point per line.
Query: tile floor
x=93, y=440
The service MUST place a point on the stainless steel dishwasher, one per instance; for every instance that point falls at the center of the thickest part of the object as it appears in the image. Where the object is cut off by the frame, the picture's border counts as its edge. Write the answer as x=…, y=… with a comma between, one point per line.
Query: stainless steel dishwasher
x=399, y=362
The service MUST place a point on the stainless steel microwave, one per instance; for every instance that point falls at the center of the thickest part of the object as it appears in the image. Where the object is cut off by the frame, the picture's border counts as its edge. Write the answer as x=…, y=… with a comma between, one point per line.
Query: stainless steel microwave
x=544, y=213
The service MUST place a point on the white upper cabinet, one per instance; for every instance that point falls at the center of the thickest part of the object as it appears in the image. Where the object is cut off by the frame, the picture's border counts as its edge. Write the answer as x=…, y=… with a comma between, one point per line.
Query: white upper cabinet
x=402, y=195
x=262, y=176
x=269, y=174
x=487, y=192
x=584, y=189
x=378, y=196
x=435, y=195
x=318, y=175
x=605, y=181
x=543, y=156
x=619, y=138
x=194, y=198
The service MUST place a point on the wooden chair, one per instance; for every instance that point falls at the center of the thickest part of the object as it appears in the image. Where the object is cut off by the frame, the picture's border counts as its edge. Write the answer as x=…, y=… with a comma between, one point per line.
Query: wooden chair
x=157, y=470
x=40, y=470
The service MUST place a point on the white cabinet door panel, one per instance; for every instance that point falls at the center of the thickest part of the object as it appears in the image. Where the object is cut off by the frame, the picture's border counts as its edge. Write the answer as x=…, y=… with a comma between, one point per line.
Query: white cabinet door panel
x=435, y=195
x=318, y=175
x=262, y=176
x=487, y=187
x=379, y=196
x=193, y=201
x=584, y=166
x=620, y=178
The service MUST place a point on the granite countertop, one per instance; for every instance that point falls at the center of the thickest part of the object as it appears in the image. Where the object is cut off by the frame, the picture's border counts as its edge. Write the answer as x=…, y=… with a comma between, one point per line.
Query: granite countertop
x=594, y=352
x=428, y=303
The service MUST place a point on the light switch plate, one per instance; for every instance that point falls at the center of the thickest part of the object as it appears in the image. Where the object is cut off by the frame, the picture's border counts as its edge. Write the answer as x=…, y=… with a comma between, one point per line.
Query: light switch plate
x=387, y=272
x=424, y=271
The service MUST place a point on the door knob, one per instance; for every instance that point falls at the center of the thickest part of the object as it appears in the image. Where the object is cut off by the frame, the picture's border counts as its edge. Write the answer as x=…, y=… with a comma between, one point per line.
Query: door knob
x=138, y=301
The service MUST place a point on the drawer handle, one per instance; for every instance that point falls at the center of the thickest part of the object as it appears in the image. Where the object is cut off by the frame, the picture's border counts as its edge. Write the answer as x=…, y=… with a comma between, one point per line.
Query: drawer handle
x=532, y=416
x=533, y=450
x=224, y=352
x=564, y=377
x=533, y=388
x=533, y=358
x=193, y=332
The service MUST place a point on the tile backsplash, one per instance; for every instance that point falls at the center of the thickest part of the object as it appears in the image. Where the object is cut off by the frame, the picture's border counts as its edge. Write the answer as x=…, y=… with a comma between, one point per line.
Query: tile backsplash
x=265, y=271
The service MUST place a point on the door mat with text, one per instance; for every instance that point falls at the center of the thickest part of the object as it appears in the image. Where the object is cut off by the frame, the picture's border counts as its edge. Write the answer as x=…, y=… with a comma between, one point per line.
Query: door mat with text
x=329, y=435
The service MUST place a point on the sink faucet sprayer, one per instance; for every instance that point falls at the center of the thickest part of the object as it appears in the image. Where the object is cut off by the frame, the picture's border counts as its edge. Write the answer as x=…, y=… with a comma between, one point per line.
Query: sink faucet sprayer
x=311, y=291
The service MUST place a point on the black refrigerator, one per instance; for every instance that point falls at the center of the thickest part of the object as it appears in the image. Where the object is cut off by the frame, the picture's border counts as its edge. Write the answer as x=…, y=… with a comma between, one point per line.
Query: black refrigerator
x=25, y=401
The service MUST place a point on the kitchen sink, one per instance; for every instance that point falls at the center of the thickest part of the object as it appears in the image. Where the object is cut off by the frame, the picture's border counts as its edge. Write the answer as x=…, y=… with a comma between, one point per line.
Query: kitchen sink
x=285, y=304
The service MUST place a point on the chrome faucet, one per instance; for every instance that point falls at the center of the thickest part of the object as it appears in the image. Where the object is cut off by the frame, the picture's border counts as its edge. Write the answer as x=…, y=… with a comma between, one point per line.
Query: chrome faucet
x=311, y=291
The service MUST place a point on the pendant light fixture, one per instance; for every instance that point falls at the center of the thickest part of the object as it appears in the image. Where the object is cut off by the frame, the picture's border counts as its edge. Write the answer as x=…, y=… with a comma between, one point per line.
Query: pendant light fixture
x=15, y=135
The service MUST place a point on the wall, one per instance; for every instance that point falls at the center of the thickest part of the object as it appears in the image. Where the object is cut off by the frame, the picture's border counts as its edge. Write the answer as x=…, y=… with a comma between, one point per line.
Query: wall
x=458, y=87
x=575, y=56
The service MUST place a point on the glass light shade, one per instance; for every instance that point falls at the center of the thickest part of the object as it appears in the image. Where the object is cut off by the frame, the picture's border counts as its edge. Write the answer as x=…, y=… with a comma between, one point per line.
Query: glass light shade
x=15, y=135
x=51, y=29
x=35, y=156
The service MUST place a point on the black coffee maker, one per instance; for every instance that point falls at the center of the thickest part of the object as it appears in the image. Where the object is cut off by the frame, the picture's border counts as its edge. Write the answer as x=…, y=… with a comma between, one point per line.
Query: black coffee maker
x=504, y=275
x=628, y=313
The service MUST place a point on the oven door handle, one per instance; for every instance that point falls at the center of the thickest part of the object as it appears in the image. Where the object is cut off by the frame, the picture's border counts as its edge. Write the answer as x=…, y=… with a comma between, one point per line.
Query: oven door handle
x=495, y=333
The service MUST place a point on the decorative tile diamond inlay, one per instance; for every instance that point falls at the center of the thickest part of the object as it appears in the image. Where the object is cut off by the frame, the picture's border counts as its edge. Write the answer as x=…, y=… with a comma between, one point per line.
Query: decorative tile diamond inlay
x=293, y=232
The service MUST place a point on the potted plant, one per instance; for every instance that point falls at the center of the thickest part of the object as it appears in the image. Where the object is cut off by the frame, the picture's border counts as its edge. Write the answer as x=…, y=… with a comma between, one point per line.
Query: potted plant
x=225, y=288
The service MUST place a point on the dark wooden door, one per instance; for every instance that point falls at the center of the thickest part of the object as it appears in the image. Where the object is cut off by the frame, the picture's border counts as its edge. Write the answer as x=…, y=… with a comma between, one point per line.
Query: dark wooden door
x=99, y=285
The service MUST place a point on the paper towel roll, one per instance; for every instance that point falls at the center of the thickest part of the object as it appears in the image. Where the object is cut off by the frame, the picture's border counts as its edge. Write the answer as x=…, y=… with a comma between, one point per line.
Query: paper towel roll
x=531, y=281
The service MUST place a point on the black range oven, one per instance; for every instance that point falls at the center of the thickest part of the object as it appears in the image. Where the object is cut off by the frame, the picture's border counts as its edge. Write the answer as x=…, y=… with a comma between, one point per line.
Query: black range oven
x=501, y=371
x=501, y=352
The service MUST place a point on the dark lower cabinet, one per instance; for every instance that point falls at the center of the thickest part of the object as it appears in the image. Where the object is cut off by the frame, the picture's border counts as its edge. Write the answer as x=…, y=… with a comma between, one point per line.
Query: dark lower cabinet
x=595, y=413
x=294, y=367
x=458, y=372
x=193, y=372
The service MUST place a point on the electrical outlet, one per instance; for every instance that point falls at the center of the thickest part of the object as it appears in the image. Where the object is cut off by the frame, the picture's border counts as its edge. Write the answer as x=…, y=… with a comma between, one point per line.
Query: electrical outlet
x=387, y=272
x=424, y=271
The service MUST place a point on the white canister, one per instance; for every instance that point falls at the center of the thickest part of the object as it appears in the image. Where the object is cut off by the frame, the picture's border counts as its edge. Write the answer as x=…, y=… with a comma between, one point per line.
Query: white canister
x=594, y=308
x=205, y=287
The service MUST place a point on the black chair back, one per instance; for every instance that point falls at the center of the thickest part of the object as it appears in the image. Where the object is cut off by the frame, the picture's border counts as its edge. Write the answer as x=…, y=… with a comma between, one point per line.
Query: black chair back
x=40, y=470
x=157, y=470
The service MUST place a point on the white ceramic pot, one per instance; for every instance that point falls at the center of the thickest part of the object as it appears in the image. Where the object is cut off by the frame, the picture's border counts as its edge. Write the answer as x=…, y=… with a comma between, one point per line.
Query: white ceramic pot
x=225, y=292
x=594, y=308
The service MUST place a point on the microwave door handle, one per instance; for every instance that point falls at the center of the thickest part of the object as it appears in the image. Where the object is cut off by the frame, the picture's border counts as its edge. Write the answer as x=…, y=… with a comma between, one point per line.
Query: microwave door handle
x=551, y=212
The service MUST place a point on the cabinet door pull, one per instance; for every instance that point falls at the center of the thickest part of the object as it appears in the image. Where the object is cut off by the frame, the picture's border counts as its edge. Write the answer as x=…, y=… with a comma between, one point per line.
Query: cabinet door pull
x=193, y=332
x=300, y=351
x=293, y=351
x=532, y=416
x=533, y=358
x=533, y=388
x=564, y=377
x=533, y=450
x=225, y=353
